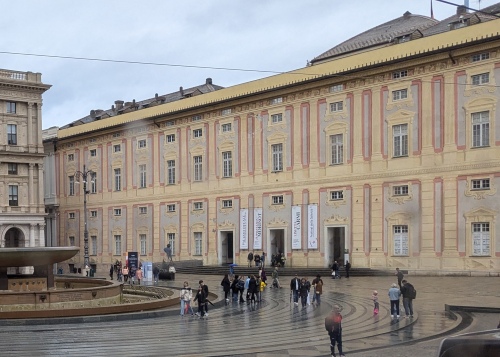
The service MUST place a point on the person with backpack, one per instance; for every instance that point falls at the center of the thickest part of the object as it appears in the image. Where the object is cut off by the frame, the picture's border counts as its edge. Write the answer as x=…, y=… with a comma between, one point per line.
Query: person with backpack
x=333, y=324
x=409, y=293
x=241, y=287
x=250, y=259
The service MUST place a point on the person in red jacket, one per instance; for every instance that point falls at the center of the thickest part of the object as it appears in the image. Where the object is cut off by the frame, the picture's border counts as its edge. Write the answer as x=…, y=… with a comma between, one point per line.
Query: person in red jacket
x=333, y=324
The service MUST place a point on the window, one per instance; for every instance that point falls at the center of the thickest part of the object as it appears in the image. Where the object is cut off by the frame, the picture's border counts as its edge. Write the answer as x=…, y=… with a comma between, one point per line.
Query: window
x=480, y=129
x=197, y=243
x=336, y=195
x=143, y=210
x=11, y=107
x=196, y=117
x=93, y=214
x=198, y=205
x=93, y=183
x=118, y=179
x=400, y=190
x=117, y=148
x=277, y=100
x=197, y=133
x=71, y=215
x=401, y=240
x=142, y=176
x=12, y=134
x=336, y=106
x=399, y=94
x=227, y=164
x=171, y=208
x=93, y=152
x=337, y=88
x=482, y=184
x=171, y=138
x=226, y=111
x=141, y=143
x=171, y=241
x=198, y=168
x=479, y=79
x=337, y=146
x=12, y=168
x=276, y=118
x=71, y=157
x=400, y=136
x=460, y=24
x=116, y=135
x=399, y=74
x=226, y=127
x=277, y=152
x=71, y=185
x=71, y=241
x=481, y=238
x=13, y=195
x=480, y=57
x=277, y=200
x=227, y=203
x=171, y=172
x=117, y=212
x=402, y=39
x=118, y=244
x=143, y=243
x=93, y=245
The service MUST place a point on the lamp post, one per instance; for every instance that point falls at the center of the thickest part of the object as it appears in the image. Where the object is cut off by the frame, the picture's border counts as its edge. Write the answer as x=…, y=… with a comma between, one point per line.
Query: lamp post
x=85, y=175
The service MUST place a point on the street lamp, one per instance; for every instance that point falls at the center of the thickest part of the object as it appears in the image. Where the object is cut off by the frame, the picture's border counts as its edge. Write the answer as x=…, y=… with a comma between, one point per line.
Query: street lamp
x=85, y=175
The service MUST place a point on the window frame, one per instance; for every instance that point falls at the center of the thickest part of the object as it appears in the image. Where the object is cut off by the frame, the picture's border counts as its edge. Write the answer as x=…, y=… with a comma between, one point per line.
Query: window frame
x=480, y=184
x=143, y=176
x=403, y=249
x=171, y=241
x=142, y=143
x=198, y=206
x=11, y=107
x=227, y=204
x=170, y=206
x=117, y=148
x=117, y=179
x=197, y=133
x=336, y=195
x=478, y=235
x=277, y=199
x=198, y=243
x=118, y=244
x=227, y=127
x=480, y=79
x=198, y=168
x=400, y=74
x=93, y=213
x=171, y=179
x=13, y=195
x=277, y=157
x=71, y=215
x=227, y=164
x=170, y=138
x=337, y=106
x=143, y=209
x=482, y=127
x=12, y=168
x=71, y=185
x=400, y=141
x=399, y=94
x=11, y=134
x=117, y=212
x=336, y=149
x=143, y=244
x=480, y=57
x=276, y=118
x=400, y=190
x=93, y=152
x=93, y=245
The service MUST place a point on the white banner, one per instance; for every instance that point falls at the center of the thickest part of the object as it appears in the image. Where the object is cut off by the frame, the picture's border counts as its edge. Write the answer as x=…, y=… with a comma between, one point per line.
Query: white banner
x=244, y=228
x=312, y=227
x=257, y=228
x=296, y=227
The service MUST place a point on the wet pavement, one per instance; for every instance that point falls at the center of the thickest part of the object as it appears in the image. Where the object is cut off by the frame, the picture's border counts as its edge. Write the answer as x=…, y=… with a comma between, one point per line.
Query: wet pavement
x=273, y=327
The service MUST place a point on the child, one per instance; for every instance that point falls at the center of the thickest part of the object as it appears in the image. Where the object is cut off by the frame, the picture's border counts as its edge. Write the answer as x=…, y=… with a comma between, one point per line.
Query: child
x=375, y=302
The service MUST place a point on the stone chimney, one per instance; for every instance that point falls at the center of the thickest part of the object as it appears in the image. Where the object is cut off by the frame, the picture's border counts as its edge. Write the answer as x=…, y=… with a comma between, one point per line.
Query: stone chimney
x=208, y=81
x=119, y=104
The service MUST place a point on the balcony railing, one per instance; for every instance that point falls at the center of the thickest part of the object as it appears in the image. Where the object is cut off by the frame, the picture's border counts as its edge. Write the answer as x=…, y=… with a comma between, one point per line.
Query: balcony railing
x=13, y=75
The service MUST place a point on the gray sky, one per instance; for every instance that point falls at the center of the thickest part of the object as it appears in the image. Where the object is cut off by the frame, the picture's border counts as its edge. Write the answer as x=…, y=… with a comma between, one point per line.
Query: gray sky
x=268, y=35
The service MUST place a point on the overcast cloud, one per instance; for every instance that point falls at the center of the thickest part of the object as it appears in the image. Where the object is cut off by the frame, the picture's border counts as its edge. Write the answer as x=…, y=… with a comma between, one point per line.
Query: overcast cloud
x=264, y=35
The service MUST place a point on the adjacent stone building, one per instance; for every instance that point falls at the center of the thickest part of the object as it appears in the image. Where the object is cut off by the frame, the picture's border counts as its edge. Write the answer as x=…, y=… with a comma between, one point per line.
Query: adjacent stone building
x=22, y=217
x=384, y=152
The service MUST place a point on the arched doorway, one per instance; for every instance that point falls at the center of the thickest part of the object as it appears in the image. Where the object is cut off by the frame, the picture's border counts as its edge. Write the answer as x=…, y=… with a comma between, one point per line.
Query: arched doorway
x=14, y=238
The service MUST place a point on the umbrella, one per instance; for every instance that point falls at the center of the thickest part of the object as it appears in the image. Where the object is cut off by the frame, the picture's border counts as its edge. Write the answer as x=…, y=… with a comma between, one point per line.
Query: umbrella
x=233, y=265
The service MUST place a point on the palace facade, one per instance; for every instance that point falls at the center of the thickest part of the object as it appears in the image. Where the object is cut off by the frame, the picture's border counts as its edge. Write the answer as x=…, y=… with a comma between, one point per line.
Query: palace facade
x=22, y=209
x=385, y=151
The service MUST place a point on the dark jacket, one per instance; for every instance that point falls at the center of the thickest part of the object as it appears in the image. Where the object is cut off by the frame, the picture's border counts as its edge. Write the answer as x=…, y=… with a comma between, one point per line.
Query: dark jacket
x=293, y=285
x=406, y=290
x=234, y=288
x=200, y=297
x=304, y=288
x=252, y=286
x=226, y=284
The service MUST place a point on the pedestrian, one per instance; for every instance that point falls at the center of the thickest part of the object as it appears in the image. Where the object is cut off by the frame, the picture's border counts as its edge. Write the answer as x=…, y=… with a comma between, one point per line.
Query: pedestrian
x=347, y=269
x=125, y=273
x=409, y=293
x=400, y=276
x=318, y=289
x=256, y=258
x=205, y=294
x=252, y=289
x=241, y=287
x=247, y=283
x=111, y=270
x=275, y=276
x=156, y=274
x=335, y=270
x=138, y=275
x=250, y=259
x=394, y=294
x=333, y=324
x=185, y=296
x=234, y=287
x=283, y=260
x=375, y=302
x=226, y=286
x=201, y=299
x=263, y=259
x=294, y=289
x=263, y=275
x=168, y=250
x=262, y=286
x=304, y=288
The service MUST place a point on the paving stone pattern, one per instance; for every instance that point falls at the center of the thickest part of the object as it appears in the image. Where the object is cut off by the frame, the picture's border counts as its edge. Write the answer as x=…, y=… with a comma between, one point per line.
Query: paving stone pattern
x=273, y=327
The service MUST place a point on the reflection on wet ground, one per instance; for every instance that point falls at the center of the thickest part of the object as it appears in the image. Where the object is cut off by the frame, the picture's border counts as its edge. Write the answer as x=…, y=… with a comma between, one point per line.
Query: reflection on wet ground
x=273, y=327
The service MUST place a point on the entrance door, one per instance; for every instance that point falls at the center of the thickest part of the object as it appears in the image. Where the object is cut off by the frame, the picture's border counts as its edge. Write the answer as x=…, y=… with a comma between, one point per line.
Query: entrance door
x=277, y=241
x=336, y=245
x=227, y=247
x=14, y=238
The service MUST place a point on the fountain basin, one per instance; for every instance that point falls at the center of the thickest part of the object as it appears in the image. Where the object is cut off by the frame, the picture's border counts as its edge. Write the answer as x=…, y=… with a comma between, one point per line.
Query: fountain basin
x=35, y=256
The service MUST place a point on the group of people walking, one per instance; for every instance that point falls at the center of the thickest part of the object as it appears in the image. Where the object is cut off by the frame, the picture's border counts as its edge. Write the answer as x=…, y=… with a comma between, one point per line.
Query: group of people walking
x=405, y=290
x=302, y=287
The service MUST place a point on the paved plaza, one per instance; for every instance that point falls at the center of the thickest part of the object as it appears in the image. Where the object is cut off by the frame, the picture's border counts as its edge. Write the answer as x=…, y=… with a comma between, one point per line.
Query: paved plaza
x=273, y=327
